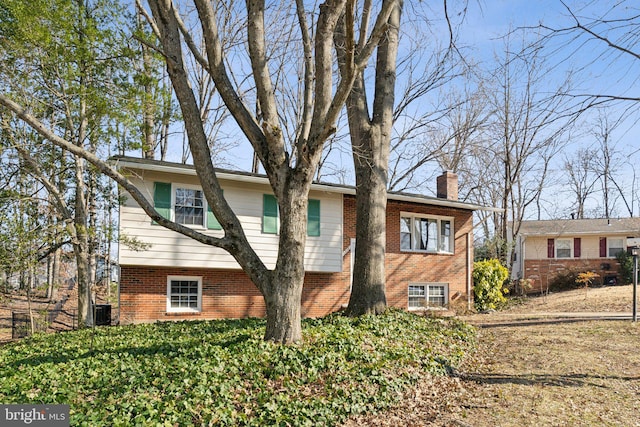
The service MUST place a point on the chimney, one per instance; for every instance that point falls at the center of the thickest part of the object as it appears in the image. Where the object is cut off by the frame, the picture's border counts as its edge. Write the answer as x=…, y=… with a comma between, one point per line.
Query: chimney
x=447, y=184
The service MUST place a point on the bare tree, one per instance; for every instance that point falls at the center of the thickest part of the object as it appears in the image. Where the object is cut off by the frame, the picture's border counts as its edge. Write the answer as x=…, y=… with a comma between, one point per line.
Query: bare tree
x=525, y=134
x=370, y=135
x=289, y=165
x=580, y=178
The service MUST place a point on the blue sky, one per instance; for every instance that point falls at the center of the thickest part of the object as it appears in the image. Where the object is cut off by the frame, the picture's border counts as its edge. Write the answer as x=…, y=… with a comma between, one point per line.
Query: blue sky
x=480, y=35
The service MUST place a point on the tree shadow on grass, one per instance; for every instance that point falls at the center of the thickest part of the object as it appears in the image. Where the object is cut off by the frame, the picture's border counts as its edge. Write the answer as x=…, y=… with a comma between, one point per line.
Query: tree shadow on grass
x=227, y=334
x=571, y=380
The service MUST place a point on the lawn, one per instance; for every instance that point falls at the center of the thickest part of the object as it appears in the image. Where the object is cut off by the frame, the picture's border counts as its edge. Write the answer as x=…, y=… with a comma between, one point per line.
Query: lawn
x=222, y=373
x=537, y=372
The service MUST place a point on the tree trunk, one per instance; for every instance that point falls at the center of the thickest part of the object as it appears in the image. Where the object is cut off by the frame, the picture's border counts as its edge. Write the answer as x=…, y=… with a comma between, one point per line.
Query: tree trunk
x=368, y=292
x=283, y=294
x=370, y=141
x=81, y=249
x=283, y=310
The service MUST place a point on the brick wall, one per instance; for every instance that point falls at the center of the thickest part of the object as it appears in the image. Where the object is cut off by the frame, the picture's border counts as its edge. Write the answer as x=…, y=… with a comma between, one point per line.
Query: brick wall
x=542, y=271
x=230, y=293
x=403, y=267
x=225, y=294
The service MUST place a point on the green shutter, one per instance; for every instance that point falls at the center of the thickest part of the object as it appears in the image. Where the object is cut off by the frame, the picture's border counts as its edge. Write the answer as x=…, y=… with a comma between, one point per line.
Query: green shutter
x=162, y=198
x=269, y=214
x=313, y=218
x=212, y=221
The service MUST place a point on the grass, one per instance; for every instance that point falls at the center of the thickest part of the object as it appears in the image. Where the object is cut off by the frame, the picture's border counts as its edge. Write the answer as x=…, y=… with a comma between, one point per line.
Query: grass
x=222, y=373
x=582, y=374
x=551, y=372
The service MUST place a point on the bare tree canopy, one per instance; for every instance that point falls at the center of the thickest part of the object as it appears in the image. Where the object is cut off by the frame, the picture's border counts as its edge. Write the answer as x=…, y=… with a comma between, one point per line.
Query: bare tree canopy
x=288, y=131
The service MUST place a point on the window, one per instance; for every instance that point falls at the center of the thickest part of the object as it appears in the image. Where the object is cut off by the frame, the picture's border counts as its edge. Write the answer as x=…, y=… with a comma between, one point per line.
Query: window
x=189, y=207
x=615, y=247
x=563, y=248
x=428, y=295
x=426, y=234
x=271, y=223
x=184, y=294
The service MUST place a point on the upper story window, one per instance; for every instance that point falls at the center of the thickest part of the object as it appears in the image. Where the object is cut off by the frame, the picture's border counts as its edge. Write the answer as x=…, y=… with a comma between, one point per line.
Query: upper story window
x=271, y=220
x=189, y=206
x=426, y=233
x=184, y=204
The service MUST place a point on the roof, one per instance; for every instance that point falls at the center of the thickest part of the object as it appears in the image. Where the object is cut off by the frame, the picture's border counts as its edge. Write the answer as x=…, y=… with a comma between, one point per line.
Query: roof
x=557, y=227
x=225, y=174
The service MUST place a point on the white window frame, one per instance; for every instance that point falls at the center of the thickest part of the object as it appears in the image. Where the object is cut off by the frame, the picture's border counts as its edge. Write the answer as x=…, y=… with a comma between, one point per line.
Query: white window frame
x=205, y=207
x=198, y=309
x=609, y=246
x=427, y=287
x=439, y=242
x=557, y=246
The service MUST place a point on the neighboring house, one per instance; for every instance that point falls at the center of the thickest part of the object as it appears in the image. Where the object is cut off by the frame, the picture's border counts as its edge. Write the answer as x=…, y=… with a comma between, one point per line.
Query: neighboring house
x=545, y=248
x=428, y=262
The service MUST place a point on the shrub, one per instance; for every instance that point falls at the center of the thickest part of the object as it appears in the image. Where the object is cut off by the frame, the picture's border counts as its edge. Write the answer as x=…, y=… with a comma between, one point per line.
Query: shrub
x=565, y=280
x=586, y=278
x=488, y=284
x=626, y=267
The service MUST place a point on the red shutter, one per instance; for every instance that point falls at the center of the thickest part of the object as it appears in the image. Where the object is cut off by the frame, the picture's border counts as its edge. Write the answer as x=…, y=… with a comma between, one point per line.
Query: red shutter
x=551, y=248
x=576, y=247
x=603, y=247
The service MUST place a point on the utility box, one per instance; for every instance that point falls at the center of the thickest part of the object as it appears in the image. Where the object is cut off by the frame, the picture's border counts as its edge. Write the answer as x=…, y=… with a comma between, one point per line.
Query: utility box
x=102, y=314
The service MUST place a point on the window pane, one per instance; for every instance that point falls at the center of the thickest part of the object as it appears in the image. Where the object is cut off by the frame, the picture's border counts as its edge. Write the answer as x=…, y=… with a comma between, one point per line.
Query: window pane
x=615, y=247
x=416, y=291
x=437, y=295
x=563, y=248
x=184, y=294
x=420, y=231
x=189, y=206
x=432, y=235
x=405, y=233
x=417, y=296
x=445, y=236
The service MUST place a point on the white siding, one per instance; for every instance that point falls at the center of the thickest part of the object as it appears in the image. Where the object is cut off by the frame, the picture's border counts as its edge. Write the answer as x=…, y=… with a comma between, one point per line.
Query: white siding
x=536, y=247
x=168, y=248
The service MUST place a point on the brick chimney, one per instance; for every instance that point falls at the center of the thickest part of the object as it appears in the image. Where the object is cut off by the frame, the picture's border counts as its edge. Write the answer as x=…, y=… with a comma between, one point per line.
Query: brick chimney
x=447, y=184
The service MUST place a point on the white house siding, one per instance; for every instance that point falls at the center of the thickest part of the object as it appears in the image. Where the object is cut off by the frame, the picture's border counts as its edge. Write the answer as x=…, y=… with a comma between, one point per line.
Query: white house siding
x=168, y=248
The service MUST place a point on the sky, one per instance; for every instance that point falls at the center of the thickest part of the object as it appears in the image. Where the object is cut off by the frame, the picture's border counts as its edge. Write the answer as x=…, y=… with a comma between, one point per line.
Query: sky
x=486, y=21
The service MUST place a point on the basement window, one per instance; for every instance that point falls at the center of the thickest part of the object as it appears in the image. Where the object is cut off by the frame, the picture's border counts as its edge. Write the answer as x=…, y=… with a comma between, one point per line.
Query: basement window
x=428, y=295
x=184, y=294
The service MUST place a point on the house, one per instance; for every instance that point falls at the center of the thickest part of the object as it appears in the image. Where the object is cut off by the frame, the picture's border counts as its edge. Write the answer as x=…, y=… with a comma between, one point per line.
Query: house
x=429, y=252
x=545, y=248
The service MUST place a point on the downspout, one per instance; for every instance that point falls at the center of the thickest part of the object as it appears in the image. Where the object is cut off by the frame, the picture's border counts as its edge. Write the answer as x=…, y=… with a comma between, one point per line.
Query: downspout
x=523, y=240
x=351, y=250
x=469, y=265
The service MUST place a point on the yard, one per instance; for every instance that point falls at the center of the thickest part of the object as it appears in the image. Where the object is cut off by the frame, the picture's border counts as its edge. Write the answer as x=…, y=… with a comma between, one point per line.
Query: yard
x=538, y=370
x=529, y=367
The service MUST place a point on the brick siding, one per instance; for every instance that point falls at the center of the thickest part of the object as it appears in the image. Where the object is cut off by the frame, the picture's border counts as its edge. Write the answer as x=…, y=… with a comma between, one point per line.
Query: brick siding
x=541, y=272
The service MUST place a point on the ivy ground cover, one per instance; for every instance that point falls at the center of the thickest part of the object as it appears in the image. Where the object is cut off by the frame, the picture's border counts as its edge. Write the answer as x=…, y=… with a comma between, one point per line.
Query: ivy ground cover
x=222, y=373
